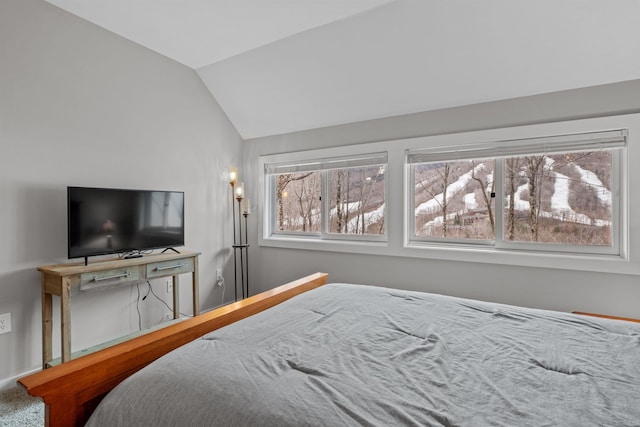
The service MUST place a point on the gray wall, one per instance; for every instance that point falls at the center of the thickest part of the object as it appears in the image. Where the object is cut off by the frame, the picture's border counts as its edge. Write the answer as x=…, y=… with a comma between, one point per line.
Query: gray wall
x=82, y=106
x=536, y=287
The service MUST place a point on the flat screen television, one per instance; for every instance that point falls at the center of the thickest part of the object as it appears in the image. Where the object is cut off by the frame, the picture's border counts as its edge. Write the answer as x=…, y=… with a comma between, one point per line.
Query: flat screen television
x=104, y=221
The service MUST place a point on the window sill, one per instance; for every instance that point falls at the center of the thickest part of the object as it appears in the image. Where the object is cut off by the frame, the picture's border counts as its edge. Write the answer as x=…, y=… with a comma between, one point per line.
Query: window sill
x=523, y=258
x=469, y=253
x=330, y=245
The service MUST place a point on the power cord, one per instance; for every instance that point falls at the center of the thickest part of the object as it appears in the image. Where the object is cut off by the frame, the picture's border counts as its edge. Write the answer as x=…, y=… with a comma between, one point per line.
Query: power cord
x=150, y=291
x=147, y=294
x=136, y=253
x=138, y=307
x=161, y=300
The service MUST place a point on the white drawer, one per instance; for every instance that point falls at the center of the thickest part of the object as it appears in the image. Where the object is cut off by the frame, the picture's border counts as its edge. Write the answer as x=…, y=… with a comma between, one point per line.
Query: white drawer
x=115, y=276
x=170, y=268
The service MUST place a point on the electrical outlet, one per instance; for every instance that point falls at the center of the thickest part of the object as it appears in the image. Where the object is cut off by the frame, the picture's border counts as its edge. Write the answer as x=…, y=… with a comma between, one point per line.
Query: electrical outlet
x=169, y=285
x=5, y=323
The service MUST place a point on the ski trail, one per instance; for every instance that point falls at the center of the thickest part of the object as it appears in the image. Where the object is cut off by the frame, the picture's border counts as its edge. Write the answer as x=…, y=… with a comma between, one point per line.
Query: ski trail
x=454, y=188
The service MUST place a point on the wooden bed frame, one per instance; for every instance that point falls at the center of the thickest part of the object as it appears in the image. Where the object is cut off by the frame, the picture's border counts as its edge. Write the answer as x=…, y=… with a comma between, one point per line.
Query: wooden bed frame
x=72, y=390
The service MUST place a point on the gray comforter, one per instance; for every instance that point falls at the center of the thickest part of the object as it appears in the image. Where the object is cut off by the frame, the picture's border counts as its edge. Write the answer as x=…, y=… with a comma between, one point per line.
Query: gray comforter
x=361, y=355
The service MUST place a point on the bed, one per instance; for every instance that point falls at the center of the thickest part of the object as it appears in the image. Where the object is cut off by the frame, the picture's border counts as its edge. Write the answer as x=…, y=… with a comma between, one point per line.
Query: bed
x=344, y=354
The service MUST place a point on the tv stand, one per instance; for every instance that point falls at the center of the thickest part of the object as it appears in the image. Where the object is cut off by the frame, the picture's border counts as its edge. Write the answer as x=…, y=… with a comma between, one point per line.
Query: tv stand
x=170, y=249
x=61, y=279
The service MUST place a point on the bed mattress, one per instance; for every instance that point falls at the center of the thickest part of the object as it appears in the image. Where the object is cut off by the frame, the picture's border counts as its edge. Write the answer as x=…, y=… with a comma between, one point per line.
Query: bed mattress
x=347, y=354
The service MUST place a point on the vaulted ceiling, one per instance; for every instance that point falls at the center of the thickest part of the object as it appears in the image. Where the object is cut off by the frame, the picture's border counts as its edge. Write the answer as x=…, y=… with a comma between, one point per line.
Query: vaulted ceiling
x=278, y=66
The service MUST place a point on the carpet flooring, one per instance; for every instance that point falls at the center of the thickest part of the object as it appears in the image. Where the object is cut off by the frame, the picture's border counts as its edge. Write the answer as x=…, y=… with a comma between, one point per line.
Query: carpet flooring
x=18, y=409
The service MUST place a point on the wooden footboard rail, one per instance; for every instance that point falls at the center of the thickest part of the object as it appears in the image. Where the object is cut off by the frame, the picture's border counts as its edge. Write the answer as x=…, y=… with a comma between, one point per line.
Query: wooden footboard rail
x=72, y=390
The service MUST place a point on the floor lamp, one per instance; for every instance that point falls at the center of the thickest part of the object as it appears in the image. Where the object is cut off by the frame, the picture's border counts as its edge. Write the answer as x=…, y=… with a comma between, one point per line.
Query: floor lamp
x=240, y=244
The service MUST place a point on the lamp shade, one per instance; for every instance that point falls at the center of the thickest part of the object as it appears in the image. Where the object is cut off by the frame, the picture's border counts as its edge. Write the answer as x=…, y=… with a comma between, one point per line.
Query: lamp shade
x=239, y=190
x=233, y=175
x=246, y=206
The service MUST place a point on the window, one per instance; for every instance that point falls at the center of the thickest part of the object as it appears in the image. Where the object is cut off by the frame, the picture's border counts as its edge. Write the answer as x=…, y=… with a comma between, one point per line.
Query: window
x=330, y=198
x=454, y=200
x=298, y=202
x=555, y=193
x=563, y=199
x=356, y=200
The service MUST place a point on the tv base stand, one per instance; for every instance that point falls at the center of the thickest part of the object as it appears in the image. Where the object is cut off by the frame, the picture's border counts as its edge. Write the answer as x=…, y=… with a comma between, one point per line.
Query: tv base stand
x=61, y=279
x=170, y=249
x=133, y=256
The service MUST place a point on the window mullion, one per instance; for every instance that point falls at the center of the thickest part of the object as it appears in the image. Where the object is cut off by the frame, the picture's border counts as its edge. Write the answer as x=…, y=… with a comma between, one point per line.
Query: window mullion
x=271, y=205
x=410, y=232
x=499, y=202
x=618, y=164
x=324, y=204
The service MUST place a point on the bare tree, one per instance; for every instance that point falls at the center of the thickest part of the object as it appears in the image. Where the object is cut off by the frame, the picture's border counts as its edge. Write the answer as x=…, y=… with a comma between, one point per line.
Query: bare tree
x=351, y=215
x=534, y=174
x=512, y=164
x=305, y=196
x=340, y=180
x=339, y=176
x=444, y=178
x=282, y=183
x=347, y=198
x=444, y=204
x=365, y=194
x=486, y=197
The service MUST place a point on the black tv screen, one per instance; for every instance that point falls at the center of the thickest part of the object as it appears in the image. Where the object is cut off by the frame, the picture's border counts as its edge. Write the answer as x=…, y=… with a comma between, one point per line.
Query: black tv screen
x=108, y=220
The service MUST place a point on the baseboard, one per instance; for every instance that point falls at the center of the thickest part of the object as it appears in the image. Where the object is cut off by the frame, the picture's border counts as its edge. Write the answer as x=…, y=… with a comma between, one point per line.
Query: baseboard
x=9, y=383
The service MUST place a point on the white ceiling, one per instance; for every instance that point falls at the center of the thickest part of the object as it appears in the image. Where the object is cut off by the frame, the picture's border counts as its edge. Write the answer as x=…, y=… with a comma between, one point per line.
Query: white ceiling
x=278, y=66
x=201, y=32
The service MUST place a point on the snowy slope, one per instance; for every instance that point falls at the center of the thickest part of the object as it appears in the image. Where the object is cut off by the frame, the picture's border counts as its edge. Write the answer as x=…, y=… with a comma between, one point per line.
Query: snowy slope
x=560, y=207
x=434, y=204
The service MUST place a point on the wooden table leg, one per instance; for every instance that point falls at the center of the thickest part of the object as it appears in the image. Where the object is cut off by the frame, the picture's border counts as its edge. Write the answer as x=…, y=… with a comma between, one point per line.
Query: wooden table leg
x=176, y=297
x=65, y=320
x=196, y=295
x=47, y=304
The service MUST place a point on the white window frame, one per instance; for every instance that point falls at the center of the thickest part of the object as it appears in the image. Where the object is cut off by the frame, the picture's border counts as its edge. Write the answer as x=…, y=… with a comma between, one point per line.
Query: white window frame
x=398, y=203
x=614, y=140
x=317, y=161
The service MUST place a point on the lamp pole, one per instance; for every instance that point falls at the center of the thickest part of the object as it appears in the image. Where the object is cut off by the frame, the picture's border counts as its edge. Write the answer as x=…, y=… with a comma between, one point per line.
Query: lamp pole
x=246, y=210
x=241, y=246
x=233, y=177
